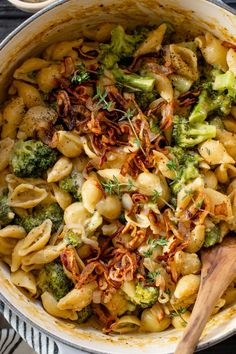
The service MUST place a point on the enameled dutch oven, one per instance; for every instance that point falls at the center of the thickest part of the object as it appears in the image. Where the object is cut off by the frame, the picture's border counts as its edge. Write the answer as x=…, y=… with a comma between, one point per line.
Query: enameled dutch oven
x=69, y=19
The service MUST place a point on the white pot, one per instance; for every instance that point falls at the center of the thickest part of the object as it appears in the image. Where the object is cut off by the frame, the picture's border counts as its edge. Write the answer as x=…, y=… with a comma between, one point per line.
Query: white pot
x=68, y=19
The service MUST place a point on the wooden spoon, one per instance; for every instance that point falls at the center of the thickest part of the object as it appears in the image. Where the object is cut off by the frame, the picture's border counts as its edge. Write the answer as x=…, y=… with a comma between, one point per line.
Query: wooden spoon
x=218, y=271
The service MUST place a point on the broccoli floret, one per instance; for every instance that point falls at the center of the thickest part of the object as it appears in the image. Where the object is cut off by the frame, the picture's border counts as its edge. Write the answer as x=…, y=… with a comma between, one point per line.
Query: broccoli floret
x=40, y=214
x=71, y=185
x=84, y=314
x=146, y=296
x=212, y=236
x=73, y=238
x=226, y=81
x=139, y=294
x=122, y=45
x=217, y=122
x=53, y=279
x=31, y=158
x=186, y=135
x=187, y=170
x=209, y=103
x=145, y=98
x=6, y=213
x=144, y=83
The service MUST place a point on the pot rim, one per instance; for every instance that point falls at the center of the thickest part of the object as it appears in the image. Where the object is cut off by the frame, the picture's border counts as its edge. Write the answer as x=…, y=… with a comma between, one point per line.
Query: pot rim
x=2, y=297
x=200, y=346
x=5, y=41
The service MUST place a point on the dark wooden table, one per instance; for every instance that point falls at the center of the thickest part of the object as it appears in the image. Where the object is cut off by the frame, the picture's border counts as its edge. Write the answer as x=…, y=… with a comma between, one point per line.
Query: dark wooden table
x=11, y=18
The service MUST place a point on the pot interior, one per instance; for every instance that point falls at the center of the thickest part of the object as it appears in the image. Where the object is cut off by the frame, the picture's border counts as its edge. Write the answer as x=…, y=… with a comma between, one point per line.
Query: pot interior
x=69, y=20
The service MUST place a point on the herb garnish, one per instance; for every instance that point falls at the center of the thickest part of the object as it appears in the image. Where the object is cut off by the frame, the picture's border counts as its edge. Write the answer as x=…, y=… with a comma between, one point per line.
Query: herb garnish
x=178, y=312
x=151, y=276
x=80, y=75
x=114, y=186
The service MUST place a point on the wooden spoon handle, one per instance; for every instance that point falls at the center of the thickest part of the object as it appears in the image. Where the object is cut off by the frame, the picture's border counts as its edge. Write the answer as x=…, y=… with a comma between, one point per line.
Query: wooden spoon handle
x=215, y=278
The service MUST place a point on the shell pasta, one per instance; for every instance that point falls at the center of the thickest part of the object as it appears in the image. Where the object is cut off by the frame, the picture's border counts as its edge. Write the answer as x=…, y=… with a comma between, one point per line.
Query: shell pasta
x=117, y=166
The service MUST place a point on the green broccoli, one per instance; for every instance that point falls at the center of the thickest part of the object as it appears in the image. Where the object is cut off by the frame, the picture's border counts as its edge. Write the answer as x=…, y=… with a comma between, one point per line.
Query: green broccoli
x=84, y=314
x=31, y=158
x=40, y=214
x=145, y=98
x=6, y=213
x=52, y=278
x=226, y=81
x=71, y=185
x=217, y=122
x=73, y=238
x=139, y=294
x=122, y=45
x=212, y=236
x=146, y=296
x=209, y=103
x=144, y=83
x=186, y=135
x=186, y=170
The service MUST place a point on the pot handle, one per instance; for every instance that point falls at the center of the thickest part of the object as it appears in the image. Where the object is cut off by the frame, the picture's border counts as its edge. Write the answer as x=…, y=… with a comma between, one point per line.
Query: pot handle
x=65, y=349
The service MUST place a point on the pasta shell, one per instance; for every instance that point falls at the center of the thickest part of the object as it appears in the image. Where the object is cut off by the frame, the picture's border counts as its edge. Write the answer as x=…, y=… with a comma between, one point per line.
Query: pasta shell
x=153, y=41
x=63, y=198
x=77, y=299
x=6, y=146
x=231, y=60
x=24, y=280
x=47, y=77
x=13, y=231
x=37, y=120
x=150, y=321
x=76, y=214
x=36, y=239
x=13, y=114
x=50, y=305
x=214, y=152
x=220, y=205
x=212, y=50
x=187, y=286
x=43, y=256
x=184, y=62
x=16, y=258
x=91, y=193
x=162, y=164
x=228, y=139
x=7, y=245
x=63, y=49
x=26, y=196
x=69, y=143
x=30, y=94
x=62, y=168
x=29, y=66
x=224, y=172
x=126, y=324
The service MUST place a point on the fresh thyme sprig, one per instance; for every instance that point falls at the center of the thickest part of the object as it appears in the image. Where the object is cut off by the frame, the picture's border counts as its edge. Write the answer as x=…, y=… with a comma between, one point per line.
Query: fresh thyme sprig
x=101, y=97
x=80, y=75
x=179, y=313
x=162, y=241
x=114, y=186
x=153, y=244
x=157, y=195
x=151, y=276
x=129, y=115
x=172, y=164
